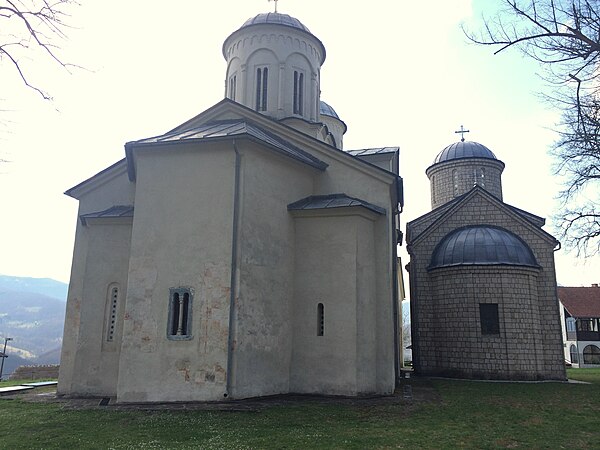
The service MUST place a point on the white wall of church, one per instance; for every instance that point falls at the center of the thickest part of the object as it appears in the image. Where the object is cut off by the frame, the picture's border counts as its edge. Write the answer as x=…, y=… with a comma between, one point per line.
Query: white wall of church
x=100, y=258
x=264, y=314
x=181, y=238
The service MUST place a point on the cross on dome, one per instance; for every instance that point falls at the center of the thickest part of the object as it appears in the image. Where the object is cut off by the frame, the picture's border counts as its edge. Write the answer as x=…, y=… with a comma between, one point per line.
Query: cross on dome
x=462, y=132
x=275, y=1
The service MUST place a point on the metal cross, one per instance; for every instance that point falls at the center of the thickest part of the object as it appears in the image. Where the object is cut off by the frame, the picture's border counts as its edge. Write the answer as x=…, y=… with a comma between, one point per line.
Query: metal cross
x=462, y=131
x=275, y=4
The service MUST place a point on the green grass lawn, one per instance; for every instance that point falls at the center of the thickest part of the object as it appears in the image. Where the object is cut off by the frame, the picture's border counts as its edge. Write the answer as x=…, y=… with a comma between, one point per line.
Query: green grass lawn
x=461, y=414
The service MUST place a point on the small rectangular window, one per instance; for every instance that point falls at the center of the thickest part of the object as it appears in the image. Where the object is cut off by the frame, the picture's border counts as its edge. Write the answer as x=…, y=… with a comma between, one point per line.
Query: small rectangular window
x=180, y=314
x=232, y=87
x=262, y=78
x=320, y=319
x=298, y=92
x=488, y=315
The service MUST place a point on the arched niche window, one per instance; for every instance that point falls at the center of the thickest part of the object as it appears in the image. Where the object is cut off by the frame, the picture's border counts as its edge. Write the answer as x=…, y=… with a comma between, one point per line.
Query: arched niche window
x=298, y=92
x=179, y=325
x=480, y=177
x=262, y=79
x=591, y=355
x=433, y=188
x=320, y=319
x=112, y=304
x=574, y=354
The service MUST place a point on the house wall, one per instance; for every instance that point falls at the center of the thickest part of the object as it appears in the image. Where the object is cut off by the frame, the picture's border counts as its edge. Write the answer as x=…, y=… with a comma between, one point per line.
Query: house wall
x=86, y=367
x=263, y=332
x=181, y=237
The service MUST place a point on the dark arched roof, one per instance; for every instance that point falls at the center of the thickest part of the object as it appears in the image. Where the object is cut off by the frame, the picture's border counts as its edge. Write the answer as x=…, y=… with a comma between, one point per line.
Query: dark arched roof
x=482, y=245
x=461, y=150
x=276, y=18
x=326, y=110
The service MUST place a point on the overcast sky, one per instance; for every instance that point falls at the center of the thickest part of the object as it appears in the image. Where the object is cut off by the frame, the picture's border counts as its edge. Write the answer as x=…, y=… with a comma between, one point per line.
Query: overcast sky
x=399, y=73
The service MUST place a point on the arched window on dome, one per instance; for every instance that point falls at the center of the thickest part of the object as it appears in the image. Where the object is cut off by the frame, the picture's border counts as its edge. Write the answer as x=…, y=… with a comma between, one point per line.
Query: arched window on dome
x=480, y=177
x=232, y=87
x=433, y=188
x=455, y=182
x=574, y=354
x=262, y=78
x=298, y=92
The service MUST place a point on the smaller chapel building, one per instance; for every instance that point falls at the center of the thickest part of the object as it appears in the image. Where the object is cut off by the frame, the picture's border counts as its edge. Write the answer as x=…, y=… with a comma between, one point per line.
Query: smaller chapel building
x=482, y=277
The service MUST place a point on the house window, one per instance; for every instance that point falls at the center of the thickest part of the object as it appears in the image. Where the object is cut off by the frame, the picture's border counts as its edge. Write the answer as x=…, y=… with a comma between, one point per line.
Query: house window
x=488, y=316
x=180, y=314
x=111, y=320
x=591, y=355
x=232, y=87
x=570, y=323
x=574, y=354
x=298, y=92
x=262, y=77
x=320, y=319
x=587, y=325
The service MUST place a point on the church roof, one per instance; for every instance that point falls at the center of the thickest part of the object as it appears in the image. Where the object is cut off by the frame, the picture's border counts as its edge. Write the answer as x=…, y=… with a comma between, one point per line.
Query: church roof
x=462, y=150
x=482, y=245
x=275, y=18
x=581, y=301
x=110, y=213
x=332, y=201
x=326, y=110
x=222, y=129
x=373, y=151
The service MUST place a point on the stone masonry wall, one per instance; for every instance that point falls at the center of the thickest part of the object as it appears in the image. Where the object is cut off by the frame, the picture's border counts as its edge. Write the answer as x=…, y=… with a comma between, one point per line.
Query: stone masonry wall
x=451, y=179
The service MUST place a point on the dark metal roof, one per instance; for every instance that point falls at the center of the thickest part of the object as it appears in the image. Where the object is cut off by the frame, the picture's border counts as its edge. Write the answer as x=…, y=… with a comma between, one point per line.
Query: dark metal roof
x=581, y=301
x=482, y=245
x=332, y=201
x=112, y=212
x=276, y=18
x=233, y=128
x=326, y=110
x=373, y=151
x=461, y=150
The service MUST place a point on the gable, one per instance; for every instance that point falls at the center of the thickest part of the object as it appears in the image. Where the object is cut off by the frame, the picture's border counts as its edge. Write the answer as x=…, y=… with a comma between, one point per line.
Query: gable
x=475, y=207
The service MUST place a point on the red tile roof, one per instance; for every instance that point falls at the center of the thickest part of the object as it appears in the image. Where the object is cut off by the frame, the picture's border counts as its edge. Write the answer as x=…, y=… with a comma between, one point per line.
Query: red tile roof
x=580, y=301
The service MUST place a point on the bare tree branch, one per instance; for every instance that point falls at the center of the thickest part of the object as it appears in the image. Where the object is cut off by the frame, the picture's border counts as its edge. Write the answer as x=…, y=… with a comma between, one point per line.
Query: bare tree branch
x=564, y=37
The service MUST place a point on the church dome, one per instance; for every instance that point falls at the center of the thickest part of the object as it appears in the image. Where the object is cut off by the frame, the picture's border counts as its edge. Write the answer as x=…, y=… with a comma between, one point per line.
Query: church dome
x=275, y=18
x=326, y=110
x=482, y=245
x=462, y=150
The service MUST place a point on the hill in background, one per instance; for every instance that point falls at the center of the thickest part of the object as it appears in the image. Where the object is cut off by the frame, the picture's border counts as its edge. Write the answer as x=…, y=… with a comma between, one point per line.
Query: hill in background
x=32, y=313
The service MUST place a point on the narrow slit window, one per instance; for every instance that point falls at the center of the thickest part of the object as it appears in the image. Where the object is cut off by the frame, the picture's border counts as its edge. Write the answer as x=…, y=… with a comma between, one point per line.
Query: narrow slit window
x=113, y=302
x=232, y=87
x=455, y=182
x=320, y=319
x=262, y=78
x=298, y=92
x=180, y=314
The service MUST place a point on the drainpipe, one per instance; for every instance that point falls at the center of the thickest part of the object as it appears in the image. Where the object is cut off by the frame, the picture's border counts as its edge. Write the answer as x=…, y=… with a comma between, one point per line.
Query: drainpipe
x=233, y=281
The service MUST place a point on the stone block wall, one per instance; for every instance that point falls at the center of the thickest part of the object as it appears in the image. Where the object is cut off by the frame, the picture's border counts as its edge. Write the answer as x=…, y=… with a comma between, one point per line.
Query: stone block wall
x=35, y=372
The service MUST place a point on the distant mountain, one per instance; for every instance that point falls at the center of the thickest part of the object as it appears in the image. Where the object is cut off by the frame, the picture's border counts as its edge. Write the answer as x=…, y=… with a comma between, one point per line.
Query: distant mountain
x=45, y=286
x=32, y=313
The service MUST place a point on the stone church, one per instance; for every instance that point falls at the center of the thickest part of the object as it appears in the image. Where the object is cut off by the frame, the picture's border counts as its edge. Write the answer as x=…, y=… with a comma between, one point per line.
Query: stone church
x=482, y=277
x=243, y=253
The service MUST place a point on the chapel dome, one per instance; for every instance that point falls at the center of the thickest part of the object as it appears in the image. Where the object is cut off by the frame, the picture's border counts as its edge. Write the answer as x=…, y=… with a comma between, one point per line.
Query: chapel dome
x=326, y=110
x=462, y=150
x=482, y=245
